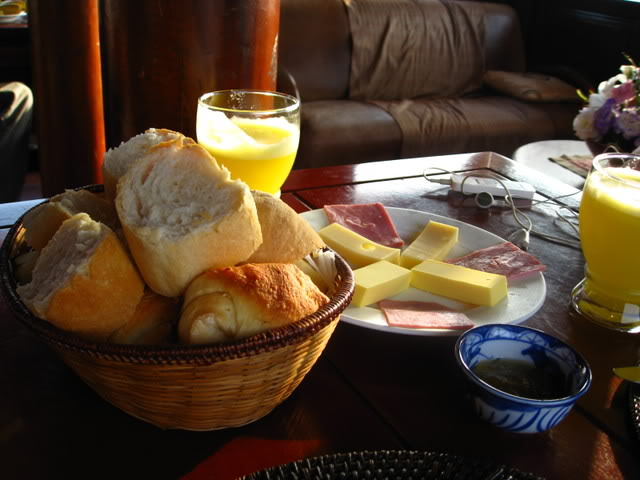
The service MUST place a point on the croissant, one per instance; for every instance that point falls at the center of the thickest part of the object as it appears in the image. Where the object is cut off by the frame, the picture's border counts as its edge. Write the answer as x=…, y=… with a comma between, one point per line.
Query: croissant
x=236, y=302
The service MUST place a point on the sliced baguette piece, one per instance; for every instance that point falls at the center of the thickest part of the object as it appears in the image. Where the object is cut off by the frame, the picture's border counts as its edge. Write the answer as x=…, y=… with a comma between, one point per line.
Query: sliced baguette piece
x=43, y=221
x=236, y=302
x=182, y=214
x=118, y=160
x=23, y=266
x=84, y=280
x=286, y=237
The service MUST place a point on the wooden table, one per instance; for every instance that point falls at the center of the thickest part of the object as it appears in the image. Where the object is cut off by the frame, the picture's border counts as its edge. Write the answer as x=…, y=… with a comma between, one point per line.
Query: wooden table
x=370, y=390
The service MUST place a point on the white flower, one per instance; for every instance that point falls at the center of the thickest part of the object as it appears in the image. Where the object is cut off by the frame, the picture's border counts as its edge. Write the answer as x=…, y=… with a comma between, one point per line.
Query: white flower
x=596, y=100
x=605, y=87
x=583, y=124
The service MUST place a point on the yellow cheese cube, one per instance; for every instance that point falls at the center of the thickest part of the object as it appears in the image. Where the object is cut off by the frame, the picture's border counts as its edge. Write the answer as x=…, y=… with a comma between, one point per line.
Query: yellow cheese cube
x=433, y=243
x=459, y=283
x=378, y=281
x=356, y=249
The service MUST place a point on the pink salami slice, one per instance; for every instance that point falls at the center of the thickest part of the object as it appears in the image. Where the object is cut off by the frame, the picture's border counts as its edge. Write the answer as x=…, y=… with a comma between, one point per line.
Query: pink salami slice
x=504, y=259
x=423, y=315
x=370, y=220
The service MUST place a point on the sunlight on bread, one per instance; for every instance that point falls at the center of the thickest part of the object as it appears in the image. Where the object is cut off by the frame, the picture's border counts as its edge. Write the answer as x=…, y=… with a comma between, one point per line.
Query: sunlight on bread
x=182, y=214
x=237, y=302
x=197, y=257
x=84, y=280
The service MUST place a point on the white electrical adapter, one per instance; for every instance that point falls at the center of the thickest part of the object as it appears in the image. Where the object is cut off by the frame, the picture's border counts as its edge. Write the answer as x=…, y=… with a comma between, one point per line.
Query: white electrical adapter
x=473, y=185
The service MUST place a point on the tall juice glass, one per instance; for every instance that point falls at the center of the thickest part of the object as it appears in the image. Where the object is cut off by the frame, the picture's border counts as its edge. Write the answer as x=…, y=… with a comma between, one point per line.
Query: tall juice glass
x=253, y=133
x=610, y=238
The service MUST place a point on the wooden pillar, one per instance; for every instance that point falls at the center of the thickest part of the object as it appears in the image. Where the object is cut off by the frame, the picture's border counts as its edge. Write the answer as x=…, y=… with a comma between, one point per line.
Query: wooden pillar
x=161, y=55
x=67, y=92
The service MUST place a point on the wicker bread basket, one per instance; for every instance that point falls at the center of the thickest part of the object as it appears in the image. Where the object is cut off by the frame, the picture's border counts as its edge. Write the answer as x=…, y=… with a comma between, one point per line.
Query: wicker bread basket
x=192, y=387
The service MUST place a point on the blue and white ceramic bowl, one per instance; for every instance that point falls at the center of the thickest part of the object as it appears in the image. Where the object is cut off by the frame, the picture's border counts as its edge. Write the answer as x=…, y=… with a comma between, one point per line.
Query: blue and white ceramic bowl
x=508, y=411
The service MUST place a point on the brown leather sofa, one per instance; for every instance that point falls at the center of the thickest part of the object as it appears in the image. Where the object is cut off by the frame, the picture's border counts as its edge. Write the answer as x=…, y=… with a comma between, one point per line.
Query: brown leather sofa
x=451, y=110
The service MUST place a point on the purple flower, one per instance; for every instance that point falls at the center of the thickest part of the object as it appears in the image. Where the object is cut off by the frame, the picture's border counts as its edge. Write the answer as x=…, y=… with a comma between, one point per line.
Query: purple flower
x=628, y=123
x=603, y=118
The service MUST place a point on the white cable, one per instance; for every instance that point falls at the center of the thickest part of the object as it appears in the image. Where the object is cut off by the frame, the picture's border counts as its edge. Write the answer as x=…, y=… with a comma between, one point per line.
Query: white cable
x=520, y=237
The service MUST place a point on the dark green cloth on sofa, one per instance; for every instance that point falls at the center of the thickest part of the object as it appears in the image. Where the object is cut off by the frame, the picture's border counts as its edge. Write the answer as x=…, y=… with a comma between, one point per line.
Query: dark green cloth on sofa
x=16, y=111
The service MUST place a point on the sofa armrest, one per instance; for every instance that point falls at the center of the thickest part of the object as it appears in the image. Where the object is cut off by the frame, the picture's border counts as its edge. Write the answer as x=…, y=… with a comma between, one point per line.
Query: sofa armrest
x=568, y=74
x=531, y=86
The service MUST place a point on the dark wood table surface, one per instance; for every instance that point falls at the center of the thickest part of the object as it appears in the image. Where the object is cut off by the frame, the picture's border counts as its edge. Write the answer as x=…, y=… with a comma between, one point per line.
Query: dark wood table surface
x=369, y=390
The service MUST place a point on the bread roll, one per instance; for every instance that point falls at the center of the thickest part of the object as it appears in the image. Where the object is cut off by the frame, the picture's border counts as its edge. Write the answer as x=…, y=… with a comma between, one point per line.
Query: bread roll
x=152, y=323
x=43, y=221
x=286, y=237
x=237, y=302
x=23, y=266
x=117, y=161
x=83, y=280
x=182, y=214
x=315, y=276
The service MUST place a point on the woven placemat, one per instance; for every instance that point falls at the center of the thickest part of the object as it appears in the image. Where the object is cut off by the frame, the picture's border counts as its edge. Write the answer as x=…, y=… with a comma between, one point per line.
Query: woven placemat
x=391, y=464
x=634, y=407
x=578, y=164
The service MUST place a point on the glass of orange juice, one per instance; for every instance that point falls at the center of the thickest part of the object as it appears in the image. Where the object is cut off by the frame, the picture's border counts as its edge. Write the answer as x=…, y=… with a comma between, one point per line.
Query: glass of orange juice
x=610, y=235
x=254, y=133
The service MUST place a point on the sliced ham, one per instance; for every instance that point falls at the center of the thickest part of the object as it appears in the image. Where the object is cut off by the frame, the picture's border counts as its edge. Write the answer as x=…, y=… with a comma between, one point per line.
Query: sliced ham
x=412, y=314
x=504, y=259
x=370, y=220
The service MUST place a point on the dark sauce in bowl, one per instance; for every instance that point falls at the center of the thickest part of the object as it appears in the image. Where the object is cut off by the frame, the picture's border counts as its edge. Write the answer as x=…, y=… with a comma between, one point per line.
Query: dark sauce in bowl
x=523, y=379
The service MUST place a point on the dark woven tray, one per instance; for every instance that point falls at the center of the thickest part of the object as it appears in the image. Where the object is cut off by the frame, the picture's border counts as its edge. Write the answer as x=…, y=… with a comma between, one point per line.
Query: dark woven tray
x=634, y=407
x=390, y=465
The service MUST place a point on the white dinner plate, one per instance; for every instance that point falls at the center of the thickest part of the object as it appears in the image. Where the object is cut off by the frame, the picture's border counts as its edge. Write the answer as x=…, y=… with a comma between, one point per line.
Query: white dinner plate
x=525, y=297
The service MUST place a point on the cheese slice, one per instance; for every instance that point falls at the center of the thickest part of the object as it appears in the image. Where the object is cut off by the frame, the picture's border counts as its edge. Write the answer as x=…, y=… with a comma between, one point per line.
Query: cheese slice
x=356, y=249
x=459, y=283
x=434, y=243
x=378, y=281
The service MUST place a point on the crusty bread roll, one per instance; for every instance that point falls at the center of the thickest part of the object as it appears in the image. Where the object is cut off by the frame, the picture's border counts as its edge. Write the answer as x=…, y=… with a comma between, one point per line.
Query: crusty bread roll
x=23, y=266
x=182, y=214
x=286, y=237
x=237, y=302
x=83, y=280
x=43, y=221
x=152, y=323
x=118, y=160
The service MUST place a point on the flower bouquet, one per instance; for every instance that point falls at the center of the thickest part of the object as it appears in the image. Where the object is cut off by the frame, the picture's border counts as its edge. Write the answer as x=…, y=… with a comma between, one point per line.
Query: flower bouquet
x=610, y=120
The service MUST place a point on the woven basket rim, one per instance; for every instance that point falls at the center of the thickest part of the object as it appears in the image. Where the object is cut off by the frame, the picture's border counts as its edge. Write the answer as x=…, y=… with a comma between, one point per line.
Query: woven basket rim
x=174, y=353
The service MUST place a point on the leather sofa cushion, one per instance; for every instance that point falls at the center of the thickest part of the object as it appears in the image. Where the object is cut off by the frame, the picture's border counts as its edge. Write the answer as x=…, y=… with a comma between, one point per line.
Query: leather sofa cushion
x=315, y=47
x=503, y=44
x=473, y=124
x=339, y=132
x=531, y=87
x=407, y=49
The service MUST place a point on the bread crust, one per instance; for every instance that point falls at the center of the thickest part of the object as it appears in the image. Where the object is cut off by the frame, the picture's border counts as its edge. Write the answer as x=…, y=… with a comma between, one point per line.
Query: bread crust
x=114, y=166
x=152, y=323
x=97, y=303
x=42, y=222
x=286, y=237
x=169, y=261
x=236, y=302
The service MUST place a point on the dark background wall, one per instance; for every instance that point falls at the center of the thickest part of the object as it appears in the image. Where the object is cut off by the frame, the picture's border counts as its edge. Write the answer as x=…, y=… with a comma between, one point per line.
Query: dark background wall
x=588, y=36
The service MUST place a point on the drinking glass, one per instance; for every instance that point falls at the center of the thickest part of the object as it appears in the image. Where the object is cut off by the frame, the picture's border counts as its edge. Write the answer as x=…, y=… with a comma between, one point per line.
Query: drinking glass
x=254, y=133
x=610, y=234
